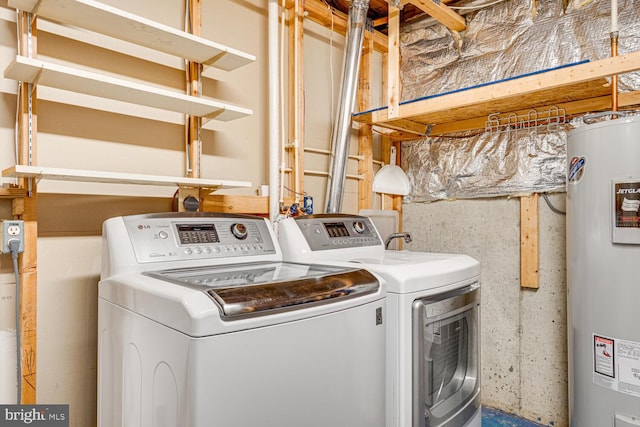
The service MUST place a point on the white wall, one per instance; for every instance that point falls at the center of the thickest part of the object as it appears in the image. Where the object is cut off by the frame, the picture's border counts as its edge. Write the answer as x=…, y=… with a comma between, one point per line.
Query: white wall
x=74, y=137
x=69, y=136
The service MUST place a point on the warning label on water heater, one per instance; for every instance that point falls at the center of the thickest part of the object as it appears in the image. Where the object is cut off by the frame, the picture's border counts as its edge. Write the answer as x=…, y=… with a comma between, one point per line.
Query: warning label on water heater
x=627, y=204
x=616, y=364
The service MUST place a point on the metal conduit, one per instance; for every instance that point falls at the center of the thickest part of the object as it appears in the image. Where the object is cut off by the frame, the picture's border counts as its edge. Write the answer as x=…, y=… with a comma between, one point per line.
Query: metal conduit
x=341, y=134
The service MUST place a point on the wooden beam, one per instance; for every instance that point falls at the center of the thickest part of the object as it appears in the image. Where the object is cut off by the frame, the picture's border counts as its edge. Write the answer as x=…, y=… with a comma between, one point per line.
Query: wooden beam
x=441, y=12
x=318, y=12
x=554, y=79
x=397, y=200
x=570, y=108
x=193, y=144
x=12, y=192
x=383, y=20
x=409, y=126
x=235, y=204
x=529, y=237
x=228, y=203
x=393, y=63
x=515, y=89
x=26, y=209
x=365, y=132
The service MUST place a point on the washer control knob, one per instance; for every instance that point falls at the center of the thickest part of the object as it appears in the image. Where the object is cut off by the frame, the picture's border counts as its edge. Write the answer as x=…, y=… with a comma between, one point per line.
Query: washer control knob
x=358, y=226
x=239, y=231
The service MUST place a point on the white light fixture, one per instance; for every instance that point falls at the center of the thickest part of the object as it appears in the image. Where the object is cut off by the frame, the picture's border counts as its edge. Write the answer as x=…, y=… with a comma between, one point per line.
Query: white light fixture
x=391, y=179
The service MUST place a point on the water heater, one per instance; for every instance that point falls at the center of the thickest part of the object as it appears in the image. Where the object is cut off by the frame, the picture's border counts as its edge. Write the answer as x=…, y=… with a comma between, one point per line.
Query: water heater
x=603, y=269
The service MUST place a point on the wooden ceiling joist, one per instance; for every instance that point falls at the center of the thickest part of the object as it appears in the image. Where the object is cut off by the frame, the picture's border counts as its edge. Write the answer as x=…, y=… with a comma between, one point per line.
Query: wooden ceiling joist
x=318, y=12
x=440, y=12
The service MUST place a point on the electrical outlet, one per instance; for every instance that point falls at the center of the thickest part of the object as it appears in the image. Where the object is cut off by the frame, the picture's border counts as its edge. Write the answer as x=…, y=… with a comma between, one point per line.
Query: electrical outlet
x=12, y=230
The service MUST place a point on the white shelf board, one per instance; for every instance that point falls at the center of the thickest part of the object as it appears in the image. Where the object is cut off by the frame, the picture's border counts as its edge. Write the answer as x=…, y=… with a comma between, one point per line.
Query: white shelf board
x=72, y=79
x=108, y=20
x=111, y=43
x=78, y=175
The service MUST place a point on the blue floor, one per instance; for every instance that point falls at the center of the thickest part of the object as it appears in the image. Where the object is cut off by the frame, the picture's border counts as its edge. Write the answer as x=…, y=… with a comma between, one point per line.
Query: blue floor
x=495, y=418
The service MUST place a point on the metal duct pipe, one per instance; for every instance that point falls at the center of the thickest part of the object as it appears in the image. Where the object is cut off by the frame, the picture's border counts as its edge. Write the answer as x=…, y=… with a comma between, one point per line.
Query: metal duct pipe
x=341, y=134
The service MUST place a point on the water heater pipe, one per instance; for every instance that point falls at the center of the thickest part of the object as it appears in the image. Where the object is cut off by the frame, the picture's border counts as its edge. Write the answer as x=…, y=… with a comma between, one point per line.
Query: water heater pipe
x=341, y=135
x=274, y=110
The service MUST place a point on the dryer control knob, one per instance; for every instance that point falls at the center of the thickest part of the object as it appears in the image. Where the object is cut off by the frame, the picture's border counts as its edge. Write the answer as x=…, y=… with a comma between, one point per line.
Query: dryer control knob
x=239, y=231
x=358, y=226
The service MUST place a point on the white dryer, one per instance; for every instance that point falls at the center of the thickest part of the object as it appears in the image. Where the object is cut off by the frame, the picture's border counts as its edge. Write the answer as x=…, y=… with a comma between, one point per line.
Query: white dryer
x=201, y=324
x=433, y=317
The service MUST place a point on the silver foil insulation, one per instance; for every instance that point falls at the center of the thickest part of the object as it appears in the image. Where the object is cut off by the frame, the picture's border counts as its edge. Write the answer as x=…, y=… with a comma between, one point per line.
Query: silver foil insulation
x=508, y=39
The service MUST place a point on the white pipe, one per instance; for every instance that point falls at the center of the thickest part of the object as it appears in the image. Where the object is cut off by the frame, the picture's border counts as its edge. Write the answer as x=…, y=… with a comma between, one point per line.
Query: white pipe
x=281, y=88
x=614, y=16
x=295, y=22
x=274, y=110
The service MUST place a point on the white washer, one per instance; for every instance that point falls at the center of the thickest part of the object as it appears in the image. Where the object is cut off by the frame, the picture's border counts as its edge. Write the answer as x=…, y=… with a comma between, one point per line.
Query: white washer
x=202, y=324
x=433, y=317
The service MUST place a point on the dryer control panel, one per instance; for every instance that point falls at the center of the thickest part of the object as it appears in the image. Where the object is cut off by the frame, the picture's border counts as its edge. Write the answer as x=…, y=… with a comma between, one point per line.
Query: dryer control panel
x=158, y=238
x=337, y=231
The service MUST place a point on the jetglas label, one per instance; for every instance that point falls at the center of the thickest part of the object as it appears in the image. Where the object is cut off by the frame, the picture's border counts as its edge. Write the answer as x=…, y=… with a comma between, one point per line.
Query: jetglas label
x=34, y=415
x=627, y=204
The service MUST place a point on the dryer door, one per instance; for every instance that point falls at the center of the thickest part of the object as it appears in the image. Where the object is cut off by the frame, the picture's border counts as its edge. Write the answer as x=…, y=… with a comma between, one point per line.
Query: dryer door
x=446, y=358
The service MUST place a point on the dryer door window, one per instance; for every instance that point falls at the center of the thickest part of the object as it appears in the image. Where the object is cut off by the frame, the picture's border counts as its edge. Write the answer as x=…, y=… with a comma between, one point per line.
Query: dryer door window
x=446, y=358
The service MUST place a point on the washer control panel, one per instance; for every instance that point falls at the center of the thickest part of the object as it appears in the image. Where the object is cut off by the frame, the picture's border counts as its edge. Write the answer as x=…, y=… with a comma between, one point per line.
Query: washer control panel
x=337, y=231
x=172, y=238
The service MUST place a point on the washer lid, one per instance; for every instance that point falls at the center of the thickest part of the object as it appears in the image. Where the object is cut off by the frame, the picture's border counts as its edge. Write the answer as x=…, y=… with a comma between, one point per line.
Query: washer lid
x=407, y=271
x=256, y=289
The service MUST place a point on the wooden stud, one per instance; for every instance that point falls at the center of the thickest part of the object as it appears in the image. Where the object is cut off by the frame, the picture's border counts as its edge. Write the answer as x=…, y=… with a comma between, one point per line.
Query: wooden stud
x=393, y=63
x=27, y=210
x=386, y=200
x=194, y=124
x=529, y=236
x=365, y=132
x=397, y=200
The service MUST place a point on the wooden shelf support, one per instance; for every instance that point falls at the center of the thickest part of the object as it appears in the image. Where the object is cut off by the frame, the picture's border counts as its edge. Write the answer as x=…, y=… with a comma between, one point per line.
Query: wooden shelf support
x=574, y=83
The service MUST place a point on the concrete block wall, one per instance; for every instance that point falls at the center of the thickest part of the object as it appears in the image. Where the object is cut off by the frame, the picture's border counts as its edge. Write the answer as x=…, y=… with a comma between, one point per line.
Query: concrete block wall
x=524, y=332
